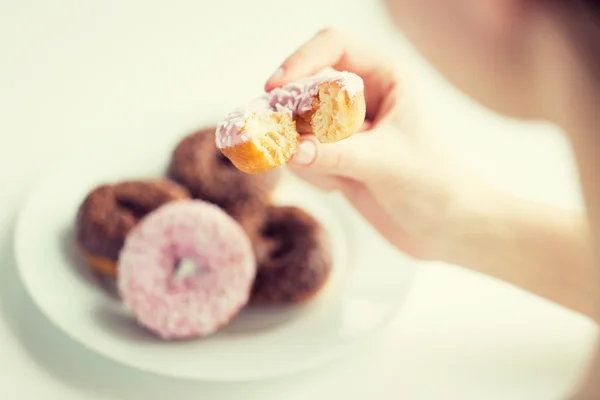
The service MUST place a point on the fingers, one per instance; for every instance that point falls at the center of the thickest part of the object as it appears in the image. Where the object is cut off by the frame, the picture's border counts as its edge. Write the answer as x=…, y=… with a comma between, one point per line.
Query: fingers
x=356, y=157
x=366, y=126
x=327, y=183
x=328, y=48
x=324, y=50
x=331, y=48
x=363, y=201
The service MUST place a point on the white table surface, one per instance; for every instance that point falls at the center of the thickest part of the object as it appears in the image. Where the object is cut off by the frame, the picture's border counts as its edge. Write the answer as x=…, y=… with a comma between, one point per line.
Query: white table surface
x=69, y=70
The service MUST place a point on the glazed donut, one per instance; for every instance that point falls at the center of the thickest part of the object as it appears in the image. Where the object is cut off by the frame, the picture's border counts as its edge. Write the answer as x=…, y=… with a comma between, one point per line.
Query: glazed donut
x=210, y=294
x=298, y=262
x=264, y=133
x=199, y=166
x=108, y=213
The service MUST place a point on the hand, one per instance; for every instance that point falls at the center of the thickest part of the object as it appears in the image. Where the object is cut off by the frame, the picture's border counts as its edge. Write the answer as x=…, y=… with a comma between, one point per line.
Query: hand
x=395, y=178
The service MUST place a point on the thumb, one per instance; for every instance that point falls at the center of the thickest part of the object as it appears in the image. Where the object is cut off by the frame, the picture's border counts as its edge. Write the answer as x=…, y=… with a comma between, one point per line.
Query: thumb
x=354, y=157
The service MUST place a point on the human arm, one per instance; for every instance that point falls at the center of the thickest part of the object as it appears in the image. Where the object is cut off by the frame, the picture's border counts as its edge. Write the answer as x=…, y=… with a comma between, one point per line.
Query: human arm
x=543, y=249
x=427, y=206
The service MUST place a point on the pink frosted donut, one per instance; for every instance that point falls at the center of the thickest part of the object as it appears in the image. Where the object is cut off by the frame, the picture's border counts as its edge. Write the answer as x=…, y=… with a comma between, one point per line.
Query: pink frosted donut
x=264, y=133
x=211, y=295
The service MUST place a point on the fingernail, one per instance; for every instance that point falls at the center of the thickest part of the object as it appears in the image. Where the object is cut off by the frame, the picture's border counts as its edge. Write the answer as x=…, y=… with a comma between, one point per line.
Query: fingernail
x=278, y=74
x=306, y=153
x=366, y=126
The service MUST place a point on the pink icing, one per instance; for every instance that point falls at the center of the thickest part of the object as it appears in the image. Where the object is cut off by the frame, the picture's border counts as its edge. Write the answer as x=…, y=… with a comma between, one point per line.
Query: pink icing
x=211, y=295
x=294, y=98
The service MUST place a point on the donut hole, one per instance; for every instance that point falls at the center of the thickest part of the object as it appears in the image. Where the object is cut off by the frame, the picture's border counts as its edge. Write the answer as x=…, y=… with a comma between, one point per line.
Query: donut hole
x=281, y=250
x=281, y=238
x=134, y=208
x=185, y=268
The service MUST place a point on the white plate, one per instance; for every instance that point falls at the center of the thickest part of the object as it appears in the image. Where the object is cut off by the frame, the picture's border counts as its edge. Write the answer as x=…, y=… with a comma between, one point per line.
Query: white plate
x=369, y=282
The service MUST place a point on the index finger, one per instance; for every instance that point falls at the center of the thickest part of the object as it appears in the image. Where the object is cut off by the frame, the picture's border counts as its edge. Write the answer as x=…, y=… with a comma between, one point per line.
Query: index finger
x=328, y=48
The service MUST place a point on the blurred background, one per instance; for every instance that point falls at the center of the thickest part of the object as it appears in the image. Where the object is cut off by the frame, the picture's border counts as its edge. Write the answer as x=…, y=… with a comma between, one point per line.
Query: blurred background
x=70, y=71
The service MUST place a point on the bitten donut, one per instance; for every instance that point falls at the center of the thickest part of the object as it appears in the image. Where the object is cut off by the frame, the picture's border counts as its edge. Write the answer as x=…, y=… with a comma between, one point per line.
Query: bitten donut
x=297, y=261
x=205, y=298
x=198, y=165
x=108, y=213
x=264, y=133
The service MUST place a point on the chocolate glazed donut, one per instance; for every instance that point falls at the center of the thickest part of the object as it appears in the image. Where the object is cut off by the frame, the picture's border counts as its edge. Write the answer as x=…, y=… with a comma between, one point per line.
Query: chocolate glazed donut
x=294, y=261
x=108, y=213
x=199, y=165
